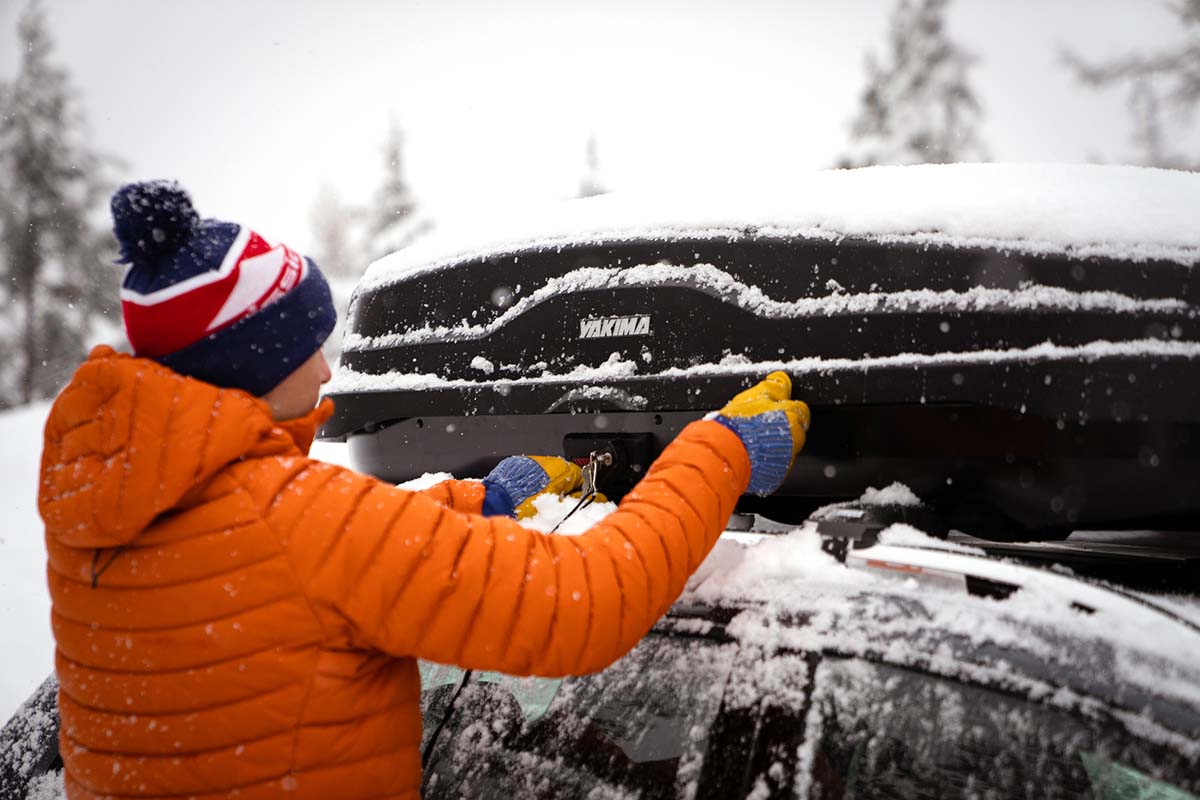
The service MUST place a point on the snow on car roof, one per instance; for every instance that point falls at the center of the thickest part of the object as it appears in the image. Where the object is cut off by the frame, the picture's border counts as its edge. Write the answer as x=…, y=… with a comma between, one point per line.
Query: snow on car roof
x=1084, y=633
x=1081, y=210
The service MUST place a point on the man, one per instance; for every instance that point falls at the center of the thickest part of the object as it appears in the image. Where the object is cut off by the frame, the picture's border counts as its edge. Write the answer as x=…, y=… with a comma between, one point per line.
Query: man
x=235, y=619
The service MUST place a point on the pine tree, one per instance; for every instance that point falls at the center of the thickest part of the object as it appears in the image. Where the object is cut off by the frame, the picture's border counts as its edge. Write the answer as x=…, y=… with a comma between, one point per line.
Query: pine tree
x=392, y=222
x=918, y=106
x=1168, y=79
x=54, y=278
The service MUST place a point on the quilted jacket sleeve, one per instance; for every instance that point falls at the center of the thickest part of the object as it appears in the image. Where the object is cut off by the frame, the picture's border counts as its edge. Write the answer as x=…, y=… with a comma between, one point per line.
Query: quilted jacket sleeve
x=465, y=496
x=411, y=577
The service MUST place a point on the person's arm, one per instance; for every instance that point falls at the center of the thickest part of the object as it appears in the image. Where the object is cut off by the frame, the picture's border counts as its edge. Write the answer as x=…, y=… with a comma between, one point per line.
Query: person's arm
x=465, y=496
x=411, y=577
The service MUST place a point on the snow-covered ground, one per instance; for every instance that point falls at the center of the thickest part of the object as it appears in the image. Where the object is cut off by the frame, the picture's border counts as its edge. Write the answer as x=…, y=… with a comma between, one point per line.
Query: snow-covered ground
x=28, y=648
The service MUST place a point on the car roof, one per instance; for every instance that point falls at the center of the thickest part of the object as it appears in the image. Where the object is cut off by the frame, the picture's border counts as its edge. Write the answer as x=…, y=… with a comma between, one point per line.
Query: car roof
x=1083, y=210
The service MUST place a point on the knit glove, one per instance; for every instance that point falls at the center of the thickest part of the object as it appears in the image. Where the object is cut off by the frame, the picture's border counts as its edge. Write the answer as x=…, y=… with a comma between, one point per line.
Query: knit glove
x=771, y=427
x=509, y=489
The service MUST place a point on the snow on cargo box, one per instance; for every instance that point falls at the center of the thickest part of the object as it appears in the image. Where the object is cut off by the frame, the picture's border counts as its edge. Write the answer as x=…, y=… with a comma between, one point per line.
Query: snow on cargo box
x=1018, y=343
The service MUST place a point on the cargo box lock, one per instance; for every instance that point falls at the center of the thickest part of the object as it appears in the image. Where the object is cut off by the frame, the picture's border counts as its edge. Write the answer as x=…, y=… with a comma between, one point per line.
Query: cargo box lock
x=628, y=456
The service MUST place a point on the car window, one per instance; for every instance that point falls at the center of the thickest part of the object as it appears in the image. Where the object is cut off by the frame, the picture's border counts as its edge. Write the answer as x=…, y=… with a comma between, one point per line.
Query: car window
x=638, y=728
x=760, y=730
x=875, y=731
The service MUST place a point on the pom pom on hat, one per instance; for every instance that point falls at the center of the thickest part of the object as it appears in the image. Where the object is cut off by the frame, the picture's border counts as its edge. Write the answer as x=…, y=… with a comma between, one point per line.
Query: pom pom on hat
x=151, y=219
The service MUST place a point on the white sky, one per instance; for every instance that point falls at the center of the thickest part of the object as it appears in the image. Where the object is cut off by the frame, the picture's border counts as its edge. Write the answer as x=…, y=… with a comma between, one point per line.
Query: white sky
x=254, y=104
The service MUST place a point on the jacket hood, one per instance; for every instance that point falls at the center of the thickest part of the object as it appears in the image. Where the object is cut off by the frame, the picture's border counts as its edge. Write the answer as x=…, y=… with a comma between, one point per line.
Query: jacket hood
x=128, y=440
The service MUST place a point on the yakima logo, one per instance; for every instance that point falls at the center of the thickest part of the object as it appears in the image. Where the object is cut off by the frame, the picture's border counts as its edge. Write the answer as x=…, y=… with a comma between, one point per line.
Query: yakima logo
x=601, y=327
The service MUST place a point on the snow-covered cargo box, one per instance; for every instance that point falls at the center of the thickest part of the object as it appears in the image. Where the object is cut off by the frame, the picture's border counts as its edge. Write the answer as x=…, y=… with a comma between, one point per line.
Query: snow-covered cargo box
x=1017, y=343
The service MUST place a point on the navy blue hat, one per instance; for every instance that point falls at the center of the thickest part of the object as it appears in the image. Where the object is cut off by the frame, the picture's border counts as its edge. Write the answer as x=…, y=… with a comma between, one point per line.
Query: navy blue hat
x=211, y=299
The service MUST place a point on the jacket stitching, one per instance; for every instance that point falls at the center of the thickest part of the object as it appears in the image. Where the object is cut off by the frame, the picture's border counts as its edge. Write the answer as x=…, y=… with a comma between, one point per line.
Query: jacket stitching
x=587, y=580
x=469, y=628
x=189, y=624
x=402, y=587
x=325, y=636
x=241, y=787
x=150, y=543
x=293, y=477
x=621, y=634
x=687, y=541
x=686, y=500
x=265, y=514
x=124, y=713
x=671, y=566
x=340, y=528
x=642, y=561
x=162, y=450
x=130, y=443
x=559, y=591
x=208, y=429
x=193, y=667
x=173, y=584
x=525, y=571
x=378, y=545
x=426, y=551
x=454, y=583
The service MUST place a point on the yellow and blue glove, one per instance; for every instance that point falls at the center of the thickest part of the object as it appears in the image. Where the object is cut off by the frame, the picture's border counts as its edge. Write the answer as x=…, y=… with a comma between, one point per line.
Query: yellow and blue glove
x=510, y=488
x=772, y=427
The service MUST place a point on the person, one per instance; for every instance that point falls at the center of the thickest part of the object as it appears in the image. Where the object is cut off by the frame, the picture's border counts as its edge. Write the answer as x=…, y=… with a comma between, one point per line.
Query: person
x=235, y=619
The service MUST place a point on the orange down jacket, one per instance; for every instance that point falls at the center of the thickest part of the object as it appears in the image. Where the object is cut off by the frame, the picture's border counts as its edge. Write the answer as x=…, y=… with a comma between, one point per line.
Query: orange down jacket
x=235, y=619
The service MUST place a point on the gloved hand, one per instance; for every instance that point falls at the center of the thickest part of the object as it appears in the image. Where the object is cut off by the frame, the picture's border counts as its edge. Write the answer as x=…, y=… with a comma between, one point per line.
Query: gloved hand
x=512, y=485
x=770, y=425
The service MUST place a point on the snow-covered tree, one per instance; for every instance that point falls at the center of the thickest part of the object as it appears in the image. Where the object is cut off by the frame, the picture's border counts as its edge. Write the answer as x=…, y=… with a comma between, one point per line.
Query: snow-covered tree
x=350, y=236
x=918, y=105
x=1167, y=79
x=59, y=280
x=392, y=222
x=592, y=184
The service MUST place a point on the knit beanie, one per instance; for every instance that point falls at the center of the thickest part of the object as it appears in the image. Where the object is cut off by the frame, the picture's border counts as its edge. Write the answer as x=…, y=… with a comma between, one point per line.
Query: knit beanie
x=212, y=299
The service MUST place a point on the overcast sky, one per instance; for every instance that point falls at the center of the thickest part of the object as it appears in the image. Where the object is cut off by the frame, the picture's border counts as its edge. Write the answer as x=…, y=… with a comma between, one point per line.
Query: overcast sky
x=254, y=104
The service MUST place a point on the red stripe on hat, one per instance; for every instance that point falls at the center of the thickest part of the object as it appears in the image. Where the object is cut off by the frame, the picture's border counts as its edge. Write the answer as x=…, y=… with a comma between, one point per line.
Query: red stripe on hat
x=159, y=328
x=164, y=327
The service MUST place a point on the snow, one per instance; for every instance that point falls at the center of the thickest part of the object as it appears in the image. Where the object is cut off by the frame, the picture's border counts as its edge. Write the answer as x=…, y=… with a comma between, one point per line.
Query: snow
x=425, y=481
x=891, y=612
x=720, y=283
x=894, y=494
x=1081, y=210
x=333, y=453
x=483, y=365
x=552, y=510
x=901, y=535
x=47, y=787
x=24, y=596
x=615, y=369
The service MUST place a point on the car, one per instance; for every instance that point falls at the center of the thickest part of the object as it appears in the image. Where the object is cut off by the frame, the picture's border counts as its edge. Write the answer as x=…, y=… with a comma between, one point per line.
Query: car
x=915, y=668
x=911, y=667
x=1020, y=344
